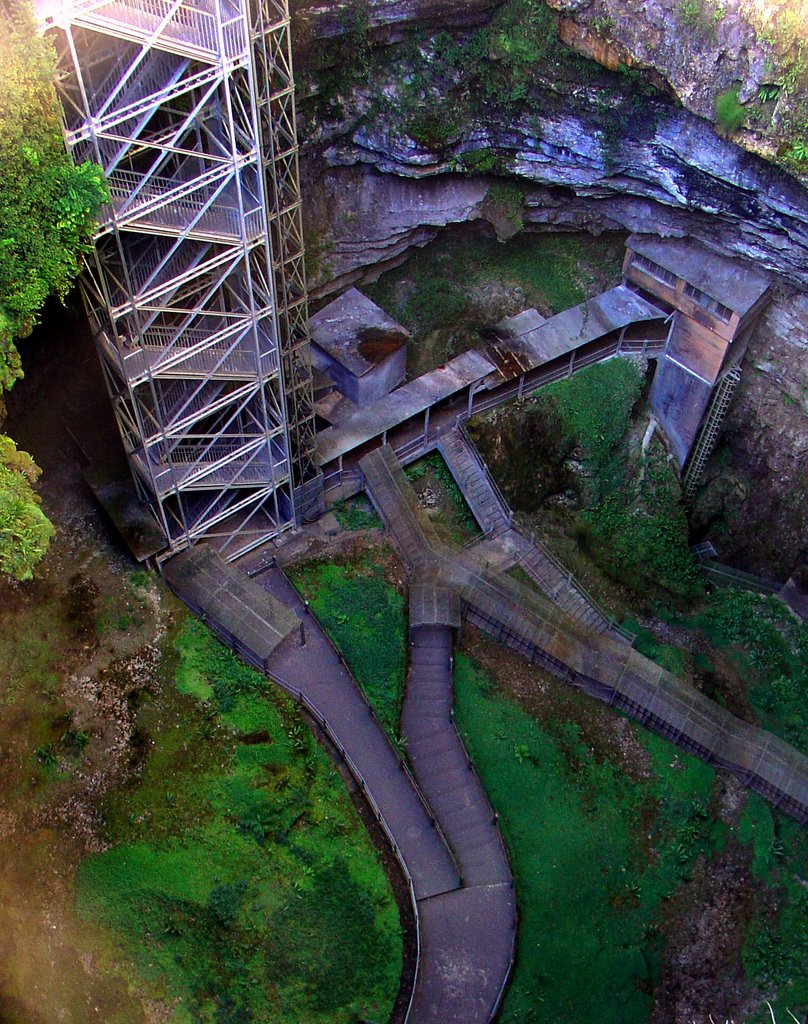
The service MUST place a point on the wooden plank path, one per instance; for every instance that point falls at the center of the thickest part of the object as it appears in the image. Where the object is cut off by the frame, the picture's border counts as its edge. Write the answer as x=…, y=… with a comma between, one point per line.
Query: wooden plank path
x=466, y=926
x=601, y=665
x=469, y=934
x=495, y=518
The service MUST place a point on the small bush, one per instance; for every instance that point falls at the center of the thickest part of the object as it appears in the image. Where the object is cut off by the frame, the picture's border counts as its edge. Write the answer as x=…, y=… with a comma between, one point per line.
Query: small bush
x=730, y=115
x=356, y=514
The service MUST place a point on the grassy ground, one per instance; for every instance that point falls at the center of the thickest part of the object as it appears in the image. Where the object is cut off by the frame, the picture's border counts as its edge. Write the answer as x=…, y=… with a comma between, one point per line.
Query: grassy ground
x=240, y=882
x=599, y=854
x=174, y=844
x=366, y=618
x=462, y=282
x=614, y=834
x=442, y=499
x=589, y=944
x=356, y=513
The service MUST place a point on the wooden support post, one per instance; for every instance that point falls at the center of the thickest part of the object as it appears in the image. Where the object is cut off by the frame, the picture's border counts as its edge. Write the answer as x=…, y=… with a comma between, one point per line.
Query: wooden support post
x=572, y=363
x=426, y=423
x=521, y=392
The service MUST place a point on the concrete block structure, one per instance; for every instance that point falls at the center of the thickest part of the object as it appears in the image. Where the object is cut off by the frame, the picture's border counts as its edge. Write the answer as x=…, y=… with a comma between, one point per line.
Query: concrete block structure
x=361, y=348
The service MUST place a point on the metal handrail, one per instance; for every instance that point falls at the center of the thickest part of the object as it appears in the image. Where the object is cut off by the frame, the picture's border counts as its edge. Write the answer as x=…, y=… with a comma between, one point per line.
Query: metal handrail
x=294, y=691
x=471, y=447
x=358, y=777
x=574, y=582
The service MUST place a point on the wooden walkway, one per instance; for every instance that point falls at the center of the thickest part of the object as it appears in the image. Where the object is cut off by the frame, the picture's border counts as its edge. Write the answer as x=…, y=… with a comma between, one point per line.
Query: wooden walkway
x=600, y=665
x=472, y=960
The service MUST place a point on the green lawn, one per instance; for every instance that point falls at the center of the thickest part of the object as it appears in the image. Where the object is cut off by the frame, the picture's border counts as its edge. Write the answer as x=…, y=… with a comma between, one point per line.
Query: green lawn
x=596, y=855
x=240, y=882
x=589, y=946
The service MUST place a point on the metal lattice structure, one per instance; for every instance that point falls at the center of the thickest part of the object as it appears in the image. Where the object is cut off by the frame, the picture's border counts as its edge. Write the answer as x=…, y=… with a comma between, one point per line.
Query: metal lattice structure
x=710, y=431
x=196, y=290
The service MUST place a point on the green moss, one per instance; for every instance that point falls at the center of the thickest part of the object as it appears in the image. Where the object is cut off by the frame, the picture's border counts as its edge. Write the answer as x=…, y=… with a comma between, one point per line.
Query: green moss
x=356, y=514
x=730, y=115
x=240, y=883
x=770, y=650
x=589, y=944
x=509, y=199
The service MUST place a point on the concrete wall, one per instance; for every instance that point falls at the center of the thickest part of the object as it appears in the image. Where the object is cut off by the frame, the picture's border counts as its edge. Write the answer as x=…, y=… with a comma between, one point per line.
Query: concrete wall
x=374, y=384
x=678, y=400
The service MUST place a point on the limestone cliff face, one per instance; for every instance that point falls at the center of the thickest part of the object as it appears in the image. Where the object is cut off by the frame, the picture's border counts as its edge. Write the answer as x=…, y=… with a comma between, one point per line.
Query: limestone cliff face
x=705, y=48
x=598, y=152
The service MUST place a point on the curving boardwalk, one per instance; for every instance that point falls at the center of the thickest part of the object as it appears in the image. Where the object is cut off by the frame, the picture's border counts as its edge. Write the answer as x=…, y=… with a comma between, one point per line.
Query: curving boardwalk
x=469, y=933
x=464, y=900
x=594, y=662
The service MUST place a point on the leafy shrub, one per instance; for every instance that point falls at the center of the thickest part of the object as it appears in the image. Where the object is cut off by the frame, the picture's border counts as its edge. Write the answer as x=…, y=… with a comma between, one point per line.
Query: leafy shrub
x=638, y=532
x=481, y=161
x=762, y=636
x=730, y=115
x=356, y=514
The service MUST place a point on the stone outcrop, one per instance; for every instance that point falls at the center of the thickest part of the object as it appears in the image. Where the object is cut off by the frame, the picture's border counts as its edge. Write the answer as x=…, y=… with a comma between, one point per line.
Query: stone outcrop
x=756, y=485
x=703, y=49
x=591, y=155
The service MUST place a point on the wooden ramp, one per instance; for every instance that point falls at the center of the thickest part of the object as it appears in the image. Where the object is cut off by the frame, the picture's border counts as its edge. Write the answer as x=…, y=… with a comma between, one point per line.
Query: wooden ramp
x=397, y=505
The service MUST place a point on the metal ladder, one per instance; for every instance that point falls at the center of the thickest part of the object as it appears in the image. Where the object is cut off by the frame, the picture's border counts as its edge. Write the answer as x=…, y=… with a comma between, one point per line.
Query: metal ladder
x=710, y=431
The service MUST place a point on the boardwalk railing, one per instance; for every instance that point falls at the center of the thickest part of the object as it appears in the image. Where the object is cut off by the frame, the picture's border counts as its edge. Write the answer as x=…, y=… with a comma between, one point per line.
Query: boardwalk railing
x=358, y=777
x=574, y=582
x=562, y=570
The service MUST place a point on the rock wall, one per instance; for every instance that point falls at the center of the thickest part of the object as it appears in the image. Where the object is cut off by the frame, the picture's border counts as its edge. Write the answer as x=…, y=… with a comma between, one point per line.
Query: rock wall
x=753, y=503
x=584, y=148
x=703, y=49
x=598, y=154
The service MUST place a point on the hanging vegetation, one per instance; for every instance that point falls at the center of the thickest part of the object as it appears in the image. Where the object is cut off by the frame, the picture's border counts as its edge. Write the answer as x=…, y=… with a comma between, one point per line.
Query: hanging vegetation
x=48, y=208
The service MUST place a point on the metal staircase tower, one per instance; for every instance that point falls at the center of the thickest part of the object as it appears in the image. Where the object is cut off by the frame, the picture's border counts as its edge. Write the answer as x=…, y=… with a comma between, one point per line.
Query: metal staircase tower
x=196, y=288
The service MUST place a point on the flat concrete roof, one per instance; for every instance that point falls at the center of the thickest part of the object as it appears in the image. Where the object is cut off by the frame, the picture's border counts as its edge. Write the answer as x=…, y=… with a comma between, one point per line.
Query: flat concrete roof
x=402, y=404
x=577, y=326
x=356, y=332
x=732, y=283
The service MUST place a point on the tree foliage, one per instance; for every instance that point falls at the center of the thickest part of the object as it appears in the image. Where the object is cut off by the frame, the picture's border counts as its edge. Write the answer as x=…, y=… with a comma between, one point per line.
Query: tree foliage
x=47, y=215
x=47, y=204
x=25, y=531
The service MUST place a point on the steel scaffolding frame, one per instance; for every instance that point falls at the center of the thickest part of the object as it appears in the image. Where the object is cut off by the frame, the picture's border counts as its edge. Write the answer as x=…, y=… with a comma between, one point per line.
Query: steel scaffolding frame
x=196, y=290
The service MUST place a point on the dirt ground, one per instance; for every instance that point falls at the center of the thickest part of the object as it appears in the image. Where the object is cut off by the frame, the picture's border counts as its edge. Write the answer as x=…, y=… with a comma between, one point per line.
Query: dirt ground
x=80, y=646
